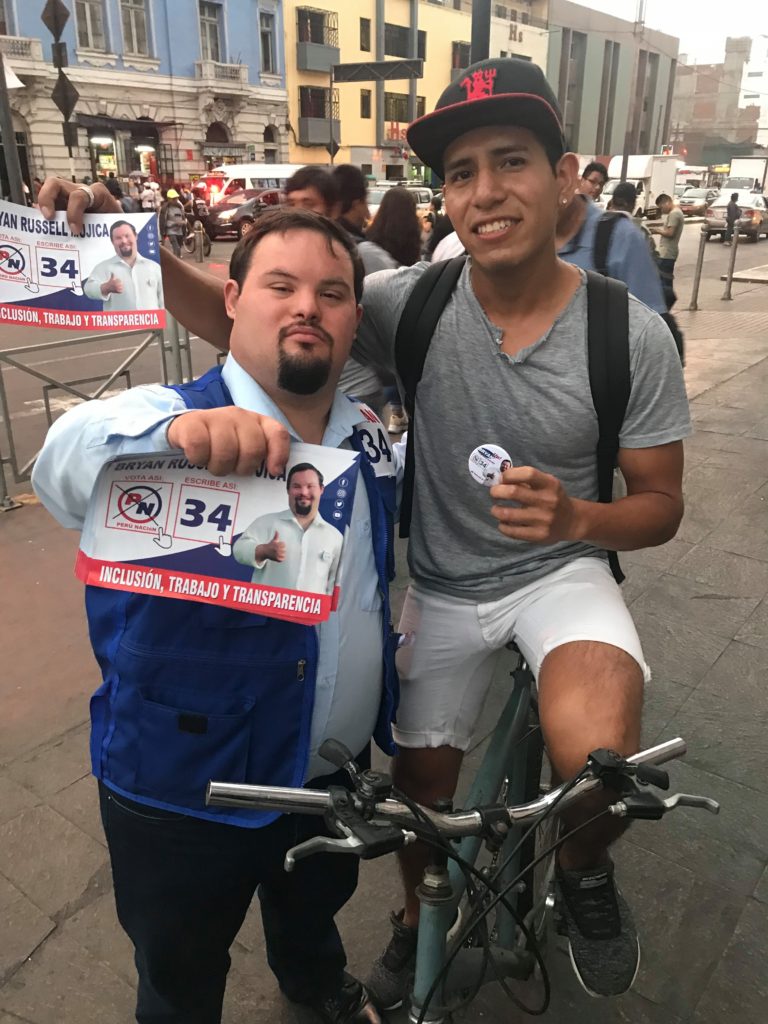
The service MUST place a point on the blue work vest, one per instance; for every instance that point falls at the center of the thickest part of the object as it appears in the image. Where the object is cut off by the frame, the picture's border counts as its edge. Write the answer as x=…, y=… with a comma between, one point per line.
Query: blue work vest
x=193, y=692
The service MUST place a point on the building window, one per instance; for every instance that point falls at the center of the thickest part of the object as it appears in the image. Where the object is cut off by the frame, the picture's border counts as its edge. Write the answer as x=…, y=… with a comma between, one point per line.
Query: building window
x=501, y=11
x=754, y=74
x=134, y=16
x=397, y=42
x=313, y=102
x=396, y=106
x=460, y=56
x=270, y=144
x=315, y=26
x=90, y=24
x=365, y=34
x=5, y=19
x=210, y=46
x=267, y=36
x=365, y=103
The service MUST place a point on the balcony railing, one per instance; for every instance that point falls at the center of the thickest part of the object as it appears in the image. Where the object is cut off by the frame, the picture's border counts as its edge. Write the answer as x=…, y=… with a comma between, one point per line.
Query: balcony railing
x=21, y=48
x=212, y=70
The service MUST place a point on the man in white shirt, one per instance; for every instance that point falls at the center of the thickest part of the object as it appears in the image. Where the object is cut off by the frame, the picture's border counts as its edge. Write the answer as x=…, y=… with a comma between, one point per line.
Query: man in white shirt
x=295, y=548
x=127, y=280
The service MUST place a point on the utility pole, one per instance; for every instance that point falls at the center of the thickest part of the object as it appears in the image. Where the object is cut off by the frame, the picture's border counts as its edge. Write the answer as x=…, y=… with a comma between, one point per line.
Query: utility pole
x=15, y=182
x=633, y=109
x=480, y=45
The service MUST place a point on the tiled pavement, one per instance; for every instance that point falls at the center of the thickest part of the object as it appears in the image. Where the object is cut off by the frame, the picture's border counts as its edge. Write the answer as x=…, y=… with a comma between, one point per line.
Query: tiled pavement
x=698, y=884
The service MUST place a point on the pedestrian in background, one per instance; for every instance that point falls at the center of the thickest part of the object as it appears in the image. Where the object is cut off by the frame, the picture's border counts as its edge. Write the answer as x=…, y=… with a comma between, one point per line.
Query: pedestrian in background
x=173, y=220
x=393, y=240
x=732, y=215
x=353, y=214
x=593, y=179
x=669, y=245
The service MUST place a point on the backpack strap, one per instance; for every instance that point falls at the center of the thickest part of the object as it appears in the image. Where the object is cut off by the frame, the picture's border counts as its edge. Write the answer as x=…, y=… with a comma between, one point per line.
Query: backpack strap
x=603, y=233
x=609, y=378
x=415, y=328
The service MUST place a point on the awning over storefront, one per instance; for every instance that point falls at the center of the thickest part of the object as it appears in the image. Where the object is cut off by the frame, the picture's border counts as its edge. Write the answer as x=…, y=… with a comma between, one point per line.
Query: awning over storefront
x=122, y=124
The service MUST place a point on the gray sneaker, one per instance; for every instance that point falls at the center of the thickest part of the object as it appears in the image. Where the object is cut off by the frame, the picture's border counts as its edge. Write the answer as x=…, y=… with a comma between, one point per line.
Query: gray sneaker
x=602, y=939
x=392, y=972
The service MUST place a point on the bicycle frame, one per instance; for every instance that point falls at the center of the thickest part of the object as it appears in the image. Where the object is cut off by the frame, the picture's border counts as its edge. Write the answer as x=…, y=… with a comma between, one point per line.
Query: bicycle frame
x=504, y=764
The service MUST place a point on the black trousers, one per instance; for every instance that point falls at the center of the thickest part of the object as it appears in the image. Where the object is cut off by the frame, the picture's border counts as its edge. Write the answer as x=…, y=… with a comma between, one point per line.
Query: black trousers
x=183, y=886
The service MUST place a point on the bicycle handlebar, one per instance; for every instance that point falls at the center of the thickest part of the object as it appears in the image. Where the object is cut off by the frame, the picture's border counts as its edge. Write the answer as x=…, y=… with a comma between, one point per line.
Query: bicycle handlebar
x=451, y=825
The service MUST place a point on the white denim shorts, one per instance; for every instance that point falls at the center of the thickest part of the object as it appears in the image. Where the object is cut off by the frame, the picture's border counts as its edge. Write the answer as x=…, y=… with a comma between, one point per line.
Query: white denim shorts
x=447, y=667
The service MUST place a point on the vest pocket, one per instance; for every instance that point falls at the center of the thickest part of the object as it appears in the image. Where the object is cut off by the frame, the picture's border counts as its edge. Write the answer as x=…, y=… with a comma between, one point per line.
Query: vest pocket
x=183, y=743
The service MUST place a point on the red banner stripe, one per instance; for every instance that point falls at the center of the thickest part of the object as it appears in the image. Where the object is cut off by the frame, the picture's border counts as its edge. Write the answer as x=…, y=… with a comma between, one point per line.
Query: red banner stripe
x=275, y=602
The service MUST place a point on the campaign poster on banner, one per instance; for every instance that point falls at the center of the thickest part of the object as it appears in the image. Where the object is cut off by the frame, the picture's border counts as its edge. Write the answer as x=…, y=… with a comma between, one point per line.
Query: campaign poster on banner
x=105, y=278
x=270, y=545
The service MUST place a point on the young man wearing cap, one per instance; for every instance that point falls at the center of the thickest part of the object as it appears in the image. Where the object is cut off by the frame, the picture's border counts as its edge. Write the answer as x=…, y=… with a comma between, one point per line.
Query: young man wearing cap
x=524, y=560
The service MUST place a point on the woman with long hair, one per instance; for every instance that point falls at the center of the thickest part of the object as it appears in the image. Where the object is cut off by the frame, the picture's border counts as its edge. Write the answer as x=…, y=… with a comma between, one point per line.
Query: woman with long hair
x=394, y=237
x=393, y=240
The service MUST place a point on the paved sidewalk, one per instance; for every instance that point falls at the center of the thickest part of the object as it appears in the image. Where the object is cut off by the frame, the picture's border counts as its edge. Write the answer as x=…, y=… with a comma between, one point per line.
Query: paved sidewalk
x=698, y=884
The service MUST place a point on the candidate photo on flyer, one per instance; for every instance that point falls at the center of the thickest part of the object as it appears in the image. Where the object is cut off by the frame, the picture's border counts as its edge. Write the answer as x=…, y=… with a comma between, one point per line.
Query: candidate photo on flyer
x=126, y=280
x=295, y=548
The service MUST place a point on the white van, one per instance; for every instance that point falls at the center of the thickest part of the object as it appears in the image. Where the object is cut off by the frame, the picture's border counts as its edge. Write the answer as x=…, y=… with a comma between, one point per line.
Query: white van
x=223, y=181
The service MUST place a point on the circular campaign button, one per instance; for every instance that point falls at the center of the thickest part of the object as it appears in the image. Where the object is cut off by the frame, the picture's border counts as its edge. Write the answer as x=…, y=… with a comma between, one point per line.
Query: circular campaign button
x=487, y=462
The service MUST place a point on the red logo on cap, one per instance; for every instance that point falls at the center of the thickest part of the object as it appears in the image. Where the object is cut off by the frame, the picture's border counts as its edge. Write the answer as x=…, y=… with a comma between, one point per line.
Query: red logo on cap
x=479, y=84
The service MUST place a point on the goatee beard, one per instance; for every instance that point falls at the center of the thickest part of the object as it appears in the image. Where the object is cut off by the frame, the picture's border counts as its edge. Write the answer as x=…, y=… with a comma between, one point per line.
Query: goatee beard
x=302, y=376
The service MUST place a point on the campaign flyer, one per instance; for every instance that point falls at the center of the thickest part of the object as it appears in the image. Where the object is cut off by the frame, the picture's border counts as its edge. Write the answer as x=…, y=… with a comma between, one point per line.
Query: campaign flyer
x=158, y=525
x=105, y=278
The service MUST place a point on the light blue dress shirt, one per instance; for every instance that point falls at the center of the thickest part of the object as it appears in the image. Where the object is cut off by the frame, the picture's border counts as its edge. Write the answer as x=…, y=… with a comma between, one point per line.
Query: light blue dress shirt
x=349, y=673
x=629, y=258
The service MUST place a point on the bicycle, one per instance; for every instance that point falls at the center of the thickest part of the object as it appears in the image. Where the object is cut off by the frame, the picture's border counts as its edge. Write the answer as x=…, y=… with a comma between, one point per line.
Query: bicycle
x=456, y=952
x=190, y=238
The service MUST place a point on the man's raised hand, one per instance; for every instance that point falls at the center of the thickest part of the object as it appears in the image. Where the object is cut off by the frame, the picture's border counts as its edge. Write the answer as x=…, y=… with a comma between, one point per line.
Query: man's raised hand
x=231, y=440
x=60, y=194
x=543, y=512
x=275, y=550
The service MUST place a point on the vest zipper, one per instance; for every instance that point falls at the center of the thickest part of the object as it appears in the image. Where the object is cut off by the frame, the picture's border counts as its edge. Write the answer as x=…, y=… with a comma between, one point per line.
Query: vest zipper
x=300, y=665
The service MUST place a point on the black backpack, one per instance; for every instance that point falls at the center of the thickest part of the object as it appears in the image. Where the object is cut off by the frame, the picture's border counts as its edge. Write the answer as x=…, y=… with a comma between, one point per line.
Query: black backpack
x=605, y=227
x=608, y=351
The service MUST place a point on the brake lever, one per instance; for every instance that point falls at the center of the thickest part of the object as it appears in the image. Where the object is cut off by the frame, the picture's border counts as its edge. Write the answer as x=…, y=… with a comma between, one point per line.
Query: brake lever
x=320, y=844
x=690, y=800
x=324, y=844
x=648, y=806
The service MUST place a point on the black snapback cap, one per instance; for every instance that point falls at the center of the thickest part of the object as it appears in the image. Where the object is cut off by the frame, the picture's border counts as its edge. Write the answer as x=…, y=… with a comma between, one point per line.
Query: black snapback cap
x=506, y=91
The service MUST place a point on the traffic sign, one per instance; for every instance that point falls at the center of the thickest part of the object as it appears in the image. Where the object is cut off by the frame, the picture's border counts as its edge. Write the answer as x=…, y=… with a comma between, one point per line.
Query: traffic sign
x=55, y=16
x=378, y=70
x=65, y=95
x=333, y=148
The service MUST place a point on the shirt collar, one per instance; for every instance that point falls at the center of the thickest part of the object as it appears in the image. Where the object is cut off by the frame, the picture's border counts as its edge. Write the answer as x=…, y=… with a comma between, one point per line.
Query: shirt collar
x=582, y=239
x=248, y=394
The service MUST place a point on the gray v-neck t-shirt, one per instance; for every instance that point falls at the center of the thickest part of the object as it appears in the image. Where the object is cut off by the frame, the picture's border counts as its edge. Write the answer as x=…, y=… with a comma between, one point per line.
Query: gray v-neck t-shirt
x=536, y=404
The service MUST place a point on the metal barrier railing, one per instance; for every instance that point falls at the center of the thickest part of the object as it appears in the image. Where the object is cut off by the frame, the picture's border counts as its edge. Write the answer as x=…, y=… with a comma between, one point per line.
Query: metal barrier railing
x=175, y=357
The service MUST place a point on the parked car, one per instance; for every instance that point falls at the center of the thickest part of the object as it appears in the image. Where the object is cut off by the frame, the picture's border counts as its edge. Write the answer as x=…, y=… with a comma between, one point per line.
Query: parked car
x=754, y=215
x=694, y=201
x=237, y=214
x=422, y=194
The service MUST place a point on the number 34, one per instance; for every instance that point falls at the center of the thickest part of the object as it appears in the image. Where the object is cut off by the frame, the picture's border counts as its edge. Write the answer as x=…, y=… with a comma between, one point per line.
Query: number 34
x=194, y=514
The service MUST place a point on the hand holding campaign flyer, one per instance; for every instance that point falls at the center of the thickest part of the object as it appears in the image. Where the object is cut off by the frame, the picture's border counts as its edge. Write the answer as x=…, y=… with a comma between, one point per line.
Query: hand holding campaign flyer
x=106, y=277
x=267, y=544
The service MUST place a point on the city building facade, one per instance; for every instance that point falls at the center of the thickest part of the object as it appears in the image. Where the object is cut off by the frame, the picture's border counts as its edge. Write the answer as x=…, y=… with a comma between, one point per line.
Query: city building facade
x=613, y=79
x=708, y=124
x=367, y=120
x=754, y=87
x=167, y=87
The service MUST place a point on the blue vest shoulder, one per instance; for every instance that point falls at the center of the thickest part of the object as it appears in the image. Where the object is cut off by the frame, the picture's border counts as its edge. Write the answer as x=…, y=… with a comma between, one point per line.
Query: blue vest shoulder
x=207, y=392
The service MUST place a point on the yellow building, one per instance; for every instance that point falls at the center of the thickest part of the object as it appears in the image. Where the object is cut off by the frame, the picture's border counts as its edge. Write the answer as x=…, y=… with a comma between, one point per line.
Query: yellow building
x=368, y=120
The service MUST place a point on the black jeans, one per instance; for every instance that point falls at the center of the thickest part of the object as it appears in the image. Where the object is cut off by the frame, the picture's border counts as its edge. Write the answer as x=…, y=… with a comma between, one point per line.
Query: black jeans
x=183, y=886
